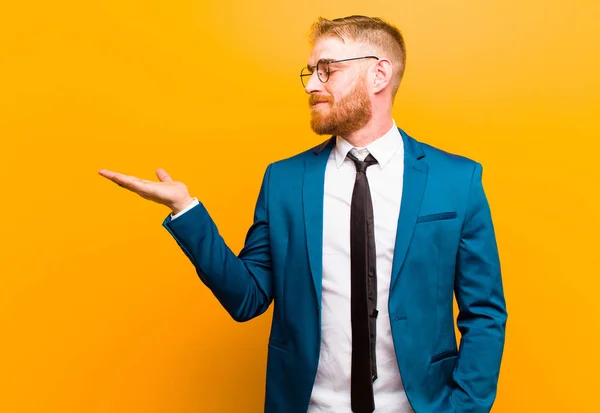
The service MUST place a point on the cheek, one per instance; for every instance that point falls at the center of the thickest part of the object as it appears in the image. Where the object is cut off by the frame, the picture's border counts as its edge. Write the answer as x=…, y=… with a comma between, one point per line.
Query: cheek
x=336, y=91
x=341, y=86
x=337, y=85
x=329, y=87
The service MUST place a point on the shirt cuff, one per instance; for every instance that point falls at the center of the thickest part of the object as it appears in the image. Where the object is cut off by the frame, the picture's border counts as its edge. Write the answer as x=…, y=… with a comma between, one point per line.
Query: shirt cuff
x=186, y=209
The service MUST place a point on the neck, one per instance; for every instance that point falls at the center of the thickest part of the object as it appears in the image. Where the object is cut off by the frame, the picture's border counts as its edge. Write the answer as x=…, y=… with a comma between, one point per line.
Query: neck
x=373, y=130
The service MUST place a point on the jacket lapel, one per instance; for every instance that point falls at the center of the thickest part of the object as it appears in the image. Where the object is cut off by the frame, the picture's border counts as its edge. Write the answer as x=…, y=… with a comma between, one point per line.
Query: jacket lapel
x=312, y=204
x=415, y=179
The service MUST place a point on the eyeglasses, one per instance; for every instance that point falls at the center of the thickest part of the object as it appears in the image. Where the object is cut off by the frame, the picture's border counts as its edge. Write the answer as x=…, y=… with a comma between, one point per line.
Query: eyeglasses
x=323, y=69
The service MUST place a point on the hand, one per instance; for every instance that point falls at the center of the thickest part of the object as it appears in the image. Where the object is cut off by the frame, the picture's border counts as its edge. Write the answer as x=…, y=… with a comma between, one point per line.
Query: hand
x=167, y=192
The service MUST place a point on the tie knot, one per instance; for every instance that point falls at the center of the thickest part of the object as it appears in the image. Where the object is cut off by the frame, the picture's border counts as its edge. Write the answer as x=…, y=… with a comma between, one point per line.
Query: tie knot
x=361, y=166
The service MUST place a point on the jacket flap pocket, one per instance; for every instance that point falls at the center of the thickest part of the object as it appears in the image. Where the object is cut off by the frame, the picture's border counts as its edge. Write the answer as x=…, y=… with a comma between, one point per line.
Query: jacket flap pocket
x=443, y=356
x=437, y=217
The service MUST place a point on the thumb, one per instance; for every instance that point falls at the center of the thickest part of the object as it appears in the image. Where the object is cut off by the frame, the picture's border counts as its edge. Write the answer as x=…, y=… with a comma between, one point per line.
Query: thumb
x=163, y=175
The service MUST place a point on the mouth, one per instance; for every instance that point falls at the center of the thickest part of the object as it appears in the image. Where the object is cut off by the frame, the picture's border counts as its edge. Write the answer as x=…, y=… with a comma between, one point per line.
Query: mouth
x=320, y=103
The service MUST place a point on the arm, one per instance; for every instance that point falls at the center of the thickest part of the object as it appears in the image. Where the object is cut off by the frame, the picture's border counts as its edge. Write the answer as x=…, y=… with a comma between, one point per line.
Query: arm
x=242, y=284
x=482, y=309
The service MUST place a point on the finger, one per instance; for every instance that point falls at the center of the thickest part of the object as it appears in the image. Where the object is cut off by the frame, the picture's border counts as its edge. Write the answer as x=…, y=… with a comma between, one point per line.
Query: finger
x=106, y=173
x=112, y=175
x=130, y=182
x=117, y=177
x=163, y=175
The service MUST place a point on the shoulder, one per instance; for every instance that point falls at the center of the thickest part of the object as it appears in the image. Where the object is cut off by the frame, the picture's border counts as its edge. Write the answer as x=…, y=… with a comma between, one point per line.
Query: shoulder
x=439, y=159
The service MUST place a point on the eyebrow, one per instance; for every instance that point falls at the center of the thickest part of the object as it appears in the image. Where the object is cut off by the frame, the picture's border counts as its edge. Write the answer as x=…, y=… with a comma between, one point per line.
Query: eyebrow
x=327, y=59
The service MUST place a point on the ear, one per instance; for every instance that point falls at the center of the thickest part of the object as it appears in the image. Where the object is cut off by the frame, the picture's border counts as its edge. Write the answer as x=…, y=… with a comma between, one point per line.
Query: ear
x=383, y=75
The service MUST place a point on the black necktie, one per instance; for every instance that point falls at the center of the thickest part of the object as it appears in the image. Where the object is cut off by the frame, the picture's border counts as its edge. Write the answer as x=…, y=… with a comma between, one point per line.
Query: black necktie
x=363, y=299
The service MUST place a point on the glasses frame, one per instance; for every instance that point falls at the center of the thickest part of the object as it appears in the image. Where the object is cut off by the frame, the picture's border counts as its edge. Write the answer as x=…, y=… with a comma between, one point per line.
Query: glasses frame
x=311, y=69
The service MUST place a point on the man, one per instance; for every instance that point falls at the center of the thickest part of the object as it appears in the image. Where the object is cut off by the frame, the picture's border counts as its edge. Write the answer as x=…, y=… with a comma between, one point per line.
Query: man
x=361, y=243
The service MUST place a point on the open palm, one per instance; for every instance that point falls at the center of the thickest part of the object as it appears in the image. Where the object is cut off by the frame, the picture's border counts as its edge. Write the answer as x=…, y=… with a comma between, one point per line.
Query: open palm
x=167, y=192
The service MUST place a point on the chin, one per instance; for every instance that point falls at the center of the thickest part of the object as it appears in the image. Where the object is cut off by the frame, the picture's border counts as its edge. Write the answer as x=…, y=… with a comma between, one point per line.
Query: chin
x=318, y=129
x=322, y=128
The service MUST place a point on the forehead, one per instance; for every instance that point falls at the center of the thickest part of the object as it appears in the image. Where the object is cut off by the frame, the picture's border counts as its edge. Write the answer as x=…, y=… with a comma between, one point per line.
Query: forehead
x=333, y=48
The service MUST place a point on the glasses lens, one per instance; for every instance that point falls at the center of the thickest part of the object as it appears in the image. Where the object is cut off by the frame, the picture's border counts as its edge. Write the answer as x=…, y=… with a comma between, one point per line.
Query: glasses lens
x=305, y=76
x=323, y=70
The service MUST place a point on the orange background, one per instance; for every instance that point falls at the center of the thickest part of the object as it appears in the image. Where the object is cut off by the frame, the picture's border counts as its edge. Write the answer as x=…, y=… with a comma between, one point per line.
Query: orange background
x=99, y=309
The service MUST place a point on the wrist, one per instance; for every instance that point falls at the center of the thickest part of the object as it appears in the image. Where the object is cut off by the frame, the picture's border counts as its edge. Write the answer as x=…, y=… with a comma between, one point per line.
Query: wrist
x=181, y=205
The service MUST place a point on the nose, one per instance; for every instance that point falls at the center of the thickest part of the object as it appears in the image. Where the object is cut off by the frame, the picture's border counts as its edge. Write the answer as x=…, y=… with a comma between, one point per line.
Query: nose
x=314, y=84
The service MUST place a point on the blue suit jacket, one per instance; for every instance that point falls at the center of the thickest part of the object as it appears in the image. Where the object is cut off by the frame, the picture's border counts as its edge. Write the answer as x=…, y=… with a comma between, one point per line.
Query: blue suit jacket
x=445, y=244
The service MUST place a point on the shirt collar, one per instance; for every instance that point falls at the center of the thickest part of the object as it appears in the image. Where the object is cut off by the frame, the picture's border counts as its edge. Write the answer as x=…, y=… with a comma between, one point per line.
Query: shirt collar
x=382, y=149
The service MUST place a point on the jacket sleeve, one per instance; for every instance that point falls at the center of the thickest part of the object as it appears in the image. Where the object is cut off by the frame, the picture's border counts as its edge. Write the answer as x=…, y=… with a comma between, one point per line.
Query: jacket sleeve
x=242, y=283
x=482, y=308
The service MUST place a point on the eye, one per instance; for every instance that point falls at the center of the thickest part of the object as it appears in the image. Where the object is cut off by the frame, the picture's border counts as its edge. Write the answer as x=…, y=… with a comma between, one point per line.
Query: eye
x=323, y=66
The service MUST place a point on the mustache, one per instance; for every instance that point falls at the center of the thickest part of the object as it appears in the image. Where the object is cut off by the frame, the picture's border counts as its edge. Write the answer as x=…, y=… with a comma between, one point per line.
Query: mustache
x=314, y=99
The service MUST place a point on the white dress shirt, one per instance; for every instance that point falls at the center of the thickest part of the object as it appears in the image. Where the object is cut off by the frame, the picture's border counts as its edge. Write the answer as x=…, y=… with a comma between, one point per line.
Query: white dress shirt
x=331, y=391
